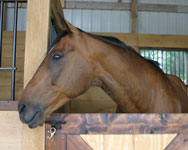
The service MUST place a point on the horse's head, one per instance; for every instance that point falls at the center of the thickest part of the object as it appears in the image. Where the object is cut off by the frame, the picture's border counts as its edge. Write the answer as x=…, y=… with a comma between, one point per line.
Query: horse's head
x=65, y=73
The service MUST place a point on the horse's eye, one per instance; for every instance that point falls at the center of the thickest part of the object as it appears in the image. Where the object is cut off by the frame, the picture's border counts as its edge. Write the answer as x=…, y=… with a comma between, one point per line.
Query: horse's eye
x=56, y=56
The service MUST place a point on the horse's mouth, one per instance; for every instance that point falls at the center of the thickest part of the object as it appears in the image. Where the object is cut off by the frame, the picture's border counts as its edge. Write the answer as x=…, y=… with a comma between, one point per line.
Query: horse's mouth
x=31, y=117
x=34, y=121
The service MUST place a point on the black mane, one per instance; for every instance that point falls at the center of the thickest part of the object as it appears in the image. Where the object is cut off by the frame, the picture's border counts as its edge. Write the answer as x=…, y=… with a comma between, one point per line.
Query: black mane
x=110, y=40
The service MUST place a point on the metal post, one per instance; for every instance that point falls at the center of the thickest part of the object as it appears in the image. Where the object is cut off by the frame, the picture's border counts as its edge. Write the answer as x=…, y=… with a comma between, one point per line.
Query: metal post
x=1, y=28
x=14, y=50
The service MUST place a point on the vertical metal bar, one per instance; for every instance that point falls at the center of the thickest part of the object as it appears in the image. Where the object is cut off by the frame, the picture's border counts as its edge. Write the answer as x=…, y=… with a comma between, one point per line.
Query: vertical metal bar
x=158, y=55
x=179, y=63
x=186, y=66
x=14, y=50
x=183, y=66
x=149, y=54
x=162, y=60
x=175, y=62
x=1, y=28
x=170, y=62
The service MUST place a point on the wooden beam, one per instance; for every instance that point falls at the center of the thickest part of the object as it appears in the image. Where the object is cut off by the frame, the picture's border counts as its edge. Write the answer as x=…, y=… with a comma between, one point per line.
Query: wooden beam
x=37, y=36
x=180, y=142
x=151, y=40
x=163, y=8
x=121, y=123
x=9, y=106
x=134, y=14
x=97, y=5
x=126, y=6
x=36, y=45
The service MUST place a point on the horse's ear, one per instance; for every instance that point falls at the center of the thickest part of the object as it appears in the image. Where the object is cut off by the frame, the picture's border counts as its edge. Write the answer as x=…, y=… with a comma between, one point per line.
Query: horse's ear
x=68, y=26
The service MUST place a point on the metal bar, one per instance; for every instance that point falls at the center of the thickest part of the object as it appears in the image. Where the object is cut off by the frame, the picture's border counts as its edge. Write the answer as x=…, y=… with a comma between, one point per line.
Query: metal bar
x=1, y=28
x=186, y=66
x=14, y=50
x=179, y=63
x=166, y=63
x=174, y=63
x=170, y=62
x=7, y=68
x=183, y=66
x=162, y=60
x=13, y=1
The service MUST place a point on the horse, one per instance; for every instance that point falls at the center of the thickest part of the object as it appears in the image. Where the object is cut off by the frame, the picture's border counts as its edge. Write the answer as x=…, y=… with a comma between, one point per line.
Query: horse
x=78, y=60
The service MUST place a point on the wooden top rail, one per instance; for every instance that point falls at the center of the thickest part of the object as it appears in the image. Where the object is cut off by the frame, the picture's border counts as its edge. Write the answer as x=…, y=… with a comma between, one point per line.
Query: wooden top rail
x=121, y=123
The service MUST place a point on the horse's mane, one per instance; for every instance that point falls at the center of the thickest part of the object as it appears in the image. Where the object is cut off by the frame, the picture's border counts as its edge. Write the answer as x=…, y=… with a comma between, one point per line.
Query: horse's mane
x=110, y=40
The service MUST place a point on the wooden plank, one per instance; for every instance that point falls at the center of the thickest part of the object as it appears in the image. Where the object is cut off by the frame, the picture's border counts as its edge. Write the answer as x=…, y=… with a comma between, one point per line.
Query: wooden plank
x=7, y=50
x=37, y=37
x=167, y=138
x=7, y=62
x=126, y=6
x=5, y=91
x=134, y=14
x=148, y=142
x=8, y=37
x=128, y=38
x=129, y=142
x=59, y=143
x=118, y=142
x=5, y=77
x=123, y=123
x=96, y=142
x=11, y=131
x=162, y=41
x=9, y=106
x=151, y=40
x=75, y=142
x=97, y=5
x=180, y=142
x=163, y=8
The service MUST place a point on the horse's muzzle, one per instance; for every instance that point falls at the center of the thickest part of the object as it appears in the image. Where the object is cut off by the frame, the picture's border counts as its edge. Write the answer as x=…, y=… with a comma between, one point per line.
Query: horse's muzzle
x=30, y=115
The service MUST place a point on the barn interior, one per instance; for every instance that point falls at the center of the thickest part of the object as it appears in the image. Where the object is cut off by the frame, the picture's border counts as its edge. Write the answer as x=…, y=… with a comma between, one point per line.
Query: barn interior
x=156, y=29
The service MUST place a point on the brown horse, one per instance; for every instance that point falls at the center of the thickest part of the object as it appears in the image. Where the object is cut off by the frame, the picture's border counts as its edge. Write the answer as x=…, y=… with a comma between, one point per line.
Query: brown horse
x=79, y=60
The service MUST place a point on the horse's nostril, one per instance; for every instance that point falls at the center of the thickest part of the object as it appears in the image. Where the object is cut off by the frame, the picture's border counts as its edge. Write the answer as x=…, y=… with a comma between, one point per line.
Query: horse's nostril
x=21, y=107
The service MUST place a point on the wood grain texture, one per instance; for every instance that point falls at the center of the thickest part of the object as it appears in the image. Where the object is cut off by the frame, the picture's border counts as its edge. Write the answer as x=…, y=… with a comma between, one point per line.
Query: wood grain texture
x=180, y=142
x=5, y=91
x=75, y=142
x=9, y=106
x=134, y=14
x=37, y=37
x=122, y=123
x=59, y=142
x=11, y=131
x=8, y=37
x=128, y=142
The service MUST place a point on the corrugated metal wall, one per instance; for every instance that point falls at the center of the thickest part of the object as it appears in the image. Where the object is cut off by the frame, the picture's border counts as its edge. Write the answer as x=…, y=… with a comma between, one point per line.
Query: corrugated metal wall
x=119, y=21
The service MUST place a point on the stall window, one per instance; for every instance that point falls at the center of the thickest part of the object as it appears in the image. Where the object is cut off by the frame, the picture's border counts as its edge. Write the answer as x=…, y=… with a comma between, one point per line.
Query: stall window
x=171, y=61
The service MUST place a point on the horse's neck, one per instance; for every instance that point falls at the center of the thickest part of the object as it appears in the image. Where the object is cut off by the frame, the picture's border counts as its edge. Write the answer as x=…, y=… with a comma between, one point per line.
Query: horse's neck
x=120, y=74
